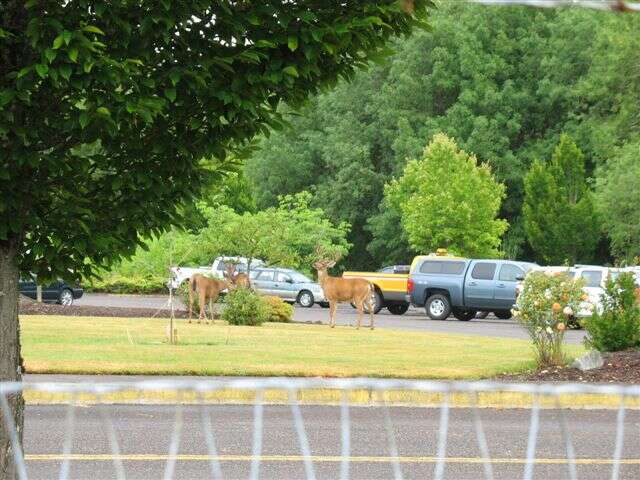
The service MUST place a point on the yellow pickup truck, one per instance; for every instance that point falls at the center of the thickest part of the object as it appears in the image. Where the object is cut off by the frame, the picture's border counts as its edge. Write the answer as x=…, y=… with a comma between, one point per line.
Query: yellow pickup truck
x=390, y=287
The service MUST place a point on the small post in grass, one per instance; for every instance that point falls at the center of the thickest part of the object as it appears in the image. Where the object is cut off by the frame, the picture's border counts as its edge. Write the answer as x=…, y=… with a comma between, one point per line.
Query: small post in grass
x=39, y=293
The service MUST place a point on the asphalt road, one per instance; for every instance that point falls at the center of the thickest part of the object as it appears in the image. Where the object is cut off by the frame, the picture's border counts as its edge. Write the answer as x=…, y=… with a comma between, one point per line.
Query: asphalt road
x=414, y=319
x=144, y=435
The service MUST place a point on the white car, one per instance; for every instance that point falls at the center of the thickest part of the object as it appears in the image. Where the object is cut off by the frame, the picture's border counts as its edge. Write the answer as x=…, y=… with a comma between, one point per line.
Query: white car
x=595, y=279
x=179, y=275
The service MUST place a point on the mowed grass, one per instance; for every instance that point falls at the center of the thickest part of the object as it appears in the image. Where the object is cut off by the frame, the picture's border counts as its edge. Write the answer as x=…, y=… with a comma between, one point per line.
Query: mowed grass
x=83, y=345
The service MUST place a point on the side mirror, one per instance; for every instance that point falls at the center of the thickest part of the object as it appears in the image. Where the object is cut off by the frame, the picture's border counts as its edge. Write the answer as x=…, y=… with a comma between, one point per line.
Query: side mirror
x=520, y=278
x=289, y=280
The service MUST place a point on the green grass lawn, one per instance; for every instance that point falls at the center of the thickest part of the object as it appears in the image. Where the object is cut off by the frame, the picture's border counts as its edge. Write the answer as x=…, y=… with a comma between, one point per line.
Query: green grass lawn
x=53, y=344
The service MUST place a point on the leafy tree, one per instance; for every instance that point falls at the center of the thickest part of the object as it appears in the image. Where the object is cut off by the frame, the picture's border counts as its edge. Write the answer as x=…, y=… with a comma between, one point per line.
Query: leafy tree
x=618, y=195
x=559, y=215
x=505, y=83
x=448, y=201
x=107, y=108
x=285, y=235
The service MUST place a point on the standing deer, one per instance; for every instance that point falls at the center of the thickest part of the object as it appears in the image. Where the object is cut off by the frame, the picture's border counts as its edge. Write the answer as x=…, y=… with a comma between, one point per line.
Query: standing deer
x=237, y=279
x=355, y=290
x=208, y=289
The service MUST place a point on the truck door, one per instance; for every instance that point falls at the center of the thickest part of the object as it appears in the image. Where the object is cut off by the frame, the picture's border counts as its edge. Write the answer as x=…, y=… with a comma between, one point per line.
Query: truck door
x=479, y=285
x=505, y=287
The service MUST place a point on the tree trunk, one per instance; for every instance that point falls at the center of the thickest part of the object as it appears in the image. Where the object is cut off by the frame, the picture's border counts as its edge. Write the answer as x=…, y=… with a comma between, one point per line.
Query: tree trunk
x=10, y=359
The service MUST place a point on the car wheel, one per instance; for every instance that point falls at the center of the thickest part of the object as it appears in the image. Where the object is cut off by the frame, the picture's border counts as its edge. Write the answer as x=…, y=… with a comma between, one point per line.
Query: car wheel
x=66, y=297
x=482, y=315
x=464, y=315
x=438, y=307
x=305, y=299
x=398, y=308
x=503, y=314
x=377, y=303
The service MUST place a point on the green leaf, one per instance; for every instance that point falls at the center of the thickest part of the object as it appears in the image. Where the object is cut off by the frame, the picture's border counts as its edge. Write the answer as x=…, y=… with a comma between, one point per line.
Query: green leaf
x=175, y=77
x=23, y=72
x=93, y=29
x=170, y=93
x=103, y=111
x=73, y=55
x=291, y=70
x=66, y=36
x=57, y=43
x=42, y=70
x=65, y=71
x=50, y=54
x=84, y=120
x=293, y=43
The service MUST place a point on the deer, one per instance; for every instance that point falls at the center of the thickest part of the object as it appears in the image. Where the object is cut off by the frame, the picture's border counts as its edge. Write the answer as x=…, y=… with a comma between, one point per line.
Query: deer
x=237, y=279
x=336, y=289
x=208, y=289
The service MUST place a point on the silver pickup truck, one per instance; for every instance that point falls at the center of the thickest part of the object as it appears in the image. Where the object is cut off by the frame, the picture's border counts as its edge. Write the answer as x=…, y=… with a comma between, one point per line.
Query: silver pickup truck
x=462, y=287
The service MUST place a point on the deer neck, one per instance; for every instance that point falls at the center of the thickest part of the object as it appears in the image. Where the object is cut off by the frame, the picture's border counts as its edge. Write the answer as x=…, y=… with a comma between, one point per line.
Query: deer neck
x=322, y=276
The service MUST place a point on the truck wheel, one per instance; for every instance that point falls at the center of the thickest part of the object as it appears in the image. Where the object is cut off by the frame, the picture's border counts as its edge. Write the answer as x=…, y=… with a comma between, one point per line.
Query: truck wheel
x=482, y=315
x=463, y=315
x=438, y=307
x=398, y=308
x=378, y=303
x=503, y=314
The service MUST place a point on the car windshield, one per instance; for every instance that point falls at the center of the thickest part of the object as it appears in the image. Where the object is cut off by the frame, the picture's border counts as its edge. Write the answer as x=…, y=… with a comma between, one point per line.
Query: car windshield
x=300, y=278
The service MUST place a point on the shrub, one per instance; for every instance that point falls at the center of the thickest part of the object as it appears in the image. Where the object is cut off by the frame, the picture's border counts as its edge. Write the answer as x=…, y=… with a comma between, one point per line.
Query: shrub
x=546, y=304
x=245, y=307
x=278, y=309
x=125, y=284
x=618, y=326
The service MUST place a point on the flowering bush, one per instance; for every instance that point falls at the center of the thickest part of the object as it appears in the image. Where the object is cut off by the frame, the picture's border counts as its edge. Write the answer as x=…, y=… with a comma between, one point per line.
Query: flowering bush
x=546, y=305
x=279, y=310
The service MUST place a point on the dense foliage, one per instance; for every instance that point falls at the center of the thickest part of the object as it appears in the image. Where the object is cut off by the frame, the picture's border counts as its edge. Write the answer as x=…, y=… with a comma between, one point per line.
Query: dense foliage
x=446, y=200
x=545, y=306
x=617, y=327
x=559, y=212
x=109, y=108
x=245, y=307
x=504, y=82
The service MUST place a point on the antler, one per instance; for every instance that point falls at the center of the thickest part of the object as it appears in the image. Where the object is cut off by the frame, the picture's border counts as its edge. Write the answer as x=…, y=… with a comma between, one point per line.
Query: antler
x=325, y=257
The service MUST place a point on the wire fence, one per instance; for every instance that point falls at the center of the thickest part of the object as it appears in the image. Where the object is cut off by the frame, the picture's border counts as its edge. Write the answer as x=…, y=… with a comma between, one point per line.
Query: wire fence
x=326, y=428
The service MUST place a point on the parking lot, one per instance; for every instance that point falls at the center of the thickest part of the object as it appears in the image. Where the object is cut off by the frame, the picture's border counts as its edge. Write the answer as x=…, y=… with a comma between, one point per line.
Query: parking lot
x=414, y=319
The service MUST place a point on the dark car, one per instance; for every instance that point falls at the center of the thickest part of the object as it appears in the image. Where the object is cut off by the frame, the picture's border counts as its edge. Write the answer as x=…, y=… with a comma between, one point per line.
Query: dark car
x=58, y=292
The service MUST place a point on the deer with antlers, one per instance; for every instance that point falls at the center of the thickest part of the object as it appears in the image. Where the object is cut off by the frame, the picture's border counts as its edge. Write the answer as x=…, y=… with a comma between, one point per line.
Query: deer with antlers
x=336, y=289
x=238, y=279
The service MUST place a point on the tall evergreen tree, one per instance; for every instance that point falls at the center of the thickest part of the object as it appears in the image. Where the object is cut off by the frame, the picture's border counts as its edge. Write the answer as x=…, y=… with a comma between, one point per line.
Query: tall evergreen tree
x=559, y=216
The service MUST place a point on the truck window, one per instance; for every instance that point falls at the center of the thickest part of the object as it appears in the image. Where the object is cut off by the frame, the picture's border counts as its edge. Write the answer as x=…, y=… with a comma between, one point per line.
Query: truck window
x=445, y=268
x=483, y=271
x=592, y=278
x=510, y=273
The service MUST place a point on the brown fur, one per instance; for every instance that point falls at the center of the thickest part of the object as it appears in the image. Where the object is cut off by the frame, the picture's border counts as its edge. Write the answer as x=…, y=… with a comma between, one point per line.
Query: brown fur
x=236, y=279
x=208, y=289
x=638, y=296
x=355, y=290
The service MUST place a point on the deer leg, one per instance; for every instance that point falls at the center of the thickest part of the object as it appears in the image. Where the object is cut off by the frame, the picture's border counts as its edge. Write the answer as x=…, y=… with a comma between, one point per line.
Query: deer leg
x=332, y=314
x=359, y=307
x=190, y=301
x=202, y=303
x=371, y=305
x=211, y=309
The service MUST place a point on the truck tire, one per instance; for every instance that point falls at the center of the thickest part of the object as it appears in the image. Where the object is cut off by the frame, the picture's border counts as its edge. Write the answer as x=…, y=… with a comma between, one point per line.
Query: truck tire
x=503, y=314
x=398, y=308
x=464, y=315
x=482, y=315
x=438, y=307
x=378, y=303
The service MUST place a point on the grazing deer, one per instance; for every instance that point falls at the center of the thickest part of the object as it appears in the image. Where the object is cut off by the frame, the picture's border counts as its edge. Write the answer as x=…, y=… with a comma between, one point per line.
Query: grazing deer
x=355, y=290
x=237, y=279
x=208, y=289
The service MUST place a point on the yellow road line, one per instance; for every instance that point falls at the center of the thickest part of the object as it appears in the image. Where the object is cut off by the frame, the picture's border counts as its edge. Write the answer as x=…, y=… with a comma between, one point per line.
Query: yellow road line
x=315, y=458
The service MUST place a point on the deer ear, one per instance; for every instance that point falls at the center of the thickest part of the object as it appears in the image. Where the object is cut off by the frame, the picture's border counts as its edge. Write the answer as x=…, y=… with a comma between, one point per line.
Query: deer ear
x=331, y=264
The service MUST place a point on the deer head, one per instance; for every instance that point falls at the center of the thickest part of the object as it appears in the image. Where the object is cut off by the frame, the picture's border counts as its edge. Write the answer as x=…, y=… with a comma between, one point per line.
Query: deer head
x=325, y=259
x=230, y=271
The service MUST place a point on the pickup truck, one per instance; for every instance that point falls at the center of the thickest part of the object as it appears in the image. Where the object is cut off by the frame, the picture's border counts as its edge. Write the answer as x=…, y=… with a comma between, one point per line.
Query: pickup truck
x=462, y=286
x=179, y=275
x=390, y=287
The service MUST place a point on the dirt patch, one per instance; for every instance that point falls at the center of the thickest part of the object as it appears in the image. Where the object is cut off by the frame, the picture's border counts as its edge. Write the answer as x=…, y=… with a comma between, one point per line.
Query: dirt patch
x=29, y=307
x=619, y=367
